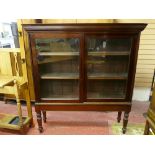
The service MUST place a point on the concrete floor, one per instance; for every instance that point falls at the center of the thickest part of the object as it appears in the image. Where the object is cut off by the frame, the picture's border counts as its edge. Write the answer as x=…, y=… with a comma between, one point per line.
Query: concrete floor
x=76, y=123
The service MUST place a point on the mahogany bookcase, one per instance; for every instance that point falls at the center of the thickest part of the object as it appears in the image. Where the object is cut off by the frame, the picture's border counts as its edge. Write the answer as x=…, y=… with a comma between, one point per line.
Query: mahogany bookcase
x=83, y=67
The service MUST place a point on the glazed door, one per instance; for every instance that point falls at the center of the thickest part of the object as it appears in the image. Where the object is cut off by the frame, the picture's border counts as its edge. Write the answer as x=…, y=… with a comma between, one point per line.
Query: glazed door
x=107, y=67
x=56, y=65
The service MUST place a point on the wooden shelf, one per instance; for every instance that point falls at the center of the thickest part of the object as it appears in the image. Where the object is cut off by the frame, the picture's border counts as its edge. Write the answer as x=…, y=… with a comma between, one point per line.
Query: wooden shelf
x=59, y=98
x=108, y=53
x=50, y=96
x=96, y=62
x=9, y=121
x=109, y=76
x=93, y=95
x=54, y=60
x=63, y=76
x=112, y=76
x=58, y=53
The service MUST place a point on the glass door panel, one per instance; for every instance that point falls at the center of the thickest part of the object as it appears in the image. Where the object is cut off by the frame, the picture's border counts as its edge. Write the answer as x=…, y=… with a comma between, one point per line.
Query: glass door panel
x=107, y=89
x=100, y=44
x=58, y=66
x=54, y=45
x=64, y=89
x=61, y=67
x=107, y=67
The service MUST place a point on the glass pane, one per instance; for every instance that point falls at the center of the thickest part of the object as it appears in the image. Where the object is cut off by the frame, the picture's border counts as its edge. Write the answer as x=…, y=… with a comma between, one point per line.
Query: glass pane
x=58, y=63
x=112, y=44
x=59, y=66
x=99, y=89
x=59, y=89
x=58, y=45
x=107, y=67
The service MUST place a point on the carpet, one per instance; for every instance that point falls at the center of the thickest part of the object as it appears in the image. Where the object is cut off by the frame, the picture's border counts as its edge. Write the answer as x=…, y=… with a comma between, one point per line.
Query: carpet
x=132, y=129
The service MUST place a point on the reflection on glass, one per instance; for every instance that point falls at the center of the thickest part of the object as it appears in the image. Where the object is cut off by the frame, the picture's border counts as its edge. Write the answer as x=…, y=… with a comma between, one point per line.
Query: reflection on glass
x=59, y=89
x=108, y=65
x=58, y=45
x=59, y=66
x=102, y=44
x=104, y=89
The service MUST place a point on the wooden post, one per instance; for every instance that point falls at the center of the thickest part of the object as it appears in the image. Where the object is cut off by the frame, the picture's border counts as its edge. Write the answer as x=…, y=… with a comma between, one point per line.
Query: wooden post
x=125, y=122
x=39, y=120
x=119, y=116
x=29, y=106
x=27, y=73
x=44, y=116
x=146, y=131
x=19, y=109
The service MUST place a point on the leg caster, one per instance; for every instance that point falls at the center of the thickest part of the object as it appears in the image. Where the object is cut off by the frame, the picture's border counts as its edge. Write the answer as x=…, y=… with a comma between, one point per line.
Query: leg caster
x=44, y=116
x=39, y=120
x=125, y=122
x=119, y=116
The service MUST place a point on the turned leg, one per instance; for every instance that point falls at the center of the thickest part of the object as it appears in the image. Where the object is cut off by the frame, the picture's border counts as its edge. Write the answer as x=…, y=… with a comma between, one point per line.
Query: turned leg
x=39, y=120
x=29, y=106
x=44, y=116
x=125, y=122
x=19, y=108
x=19, y=113
x=146, y=131
x=119, y=116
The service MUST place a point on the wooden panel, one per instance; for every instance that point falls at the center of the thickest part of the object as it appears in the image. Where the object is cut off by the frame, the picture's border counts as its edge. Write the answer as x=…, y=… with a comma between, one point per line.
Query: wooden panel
x=143, y=70
x=151, y=62
x=148, y=37
x=5, y=63
x=9, y=50
x=152, y=21
x=151, y=26
x=50, y=21
x=145, y=66
x=27, y=21
x=147, y=42
x=145, y=47
x=7, y=59
x=142, y=84
x=8, y=90
x=6, y=80
x=148, y=31
x=144, y=75
x=146, y=57
x=149, y=80
x=95, y=20
x=16, y=58
x=25, y=68
x=145, y=52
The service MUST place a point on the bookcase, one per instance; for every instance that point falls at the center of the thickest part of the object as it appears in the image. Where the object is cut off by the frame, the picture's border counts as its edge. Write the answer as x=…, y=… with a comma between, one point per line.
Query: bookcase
x=83, y=67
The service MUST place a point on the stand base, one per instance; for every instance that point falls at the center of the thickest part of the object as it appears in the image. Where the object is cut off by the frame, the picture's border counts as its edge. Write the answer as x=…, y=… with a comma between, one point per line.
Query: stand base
x=12, y=122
